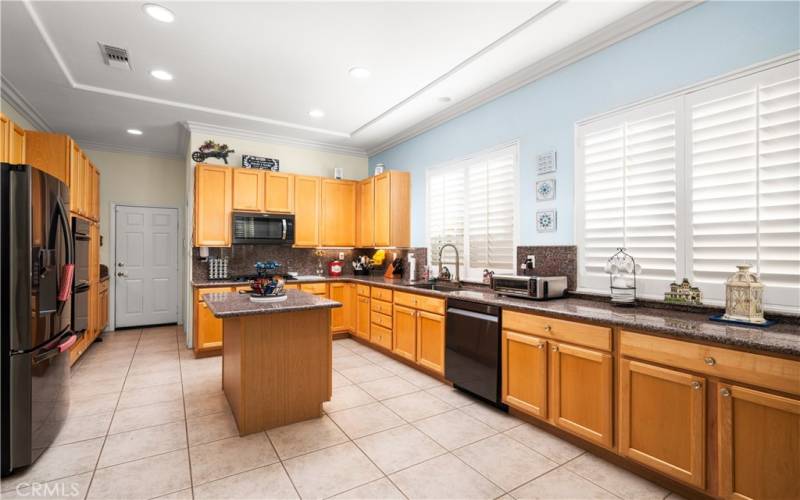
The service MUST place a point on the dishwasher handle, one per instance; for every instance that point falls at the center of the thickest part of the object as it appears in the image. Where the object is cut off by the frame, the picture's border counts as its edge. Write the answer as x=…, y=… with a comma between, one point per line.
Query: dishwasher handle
x=473, y=314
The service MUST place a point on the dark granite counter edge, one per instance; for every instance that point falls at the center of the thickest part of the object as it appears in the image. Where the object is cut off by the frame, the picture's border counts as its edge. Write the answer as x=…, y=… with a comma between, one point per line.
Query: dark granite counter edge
x=779, y=342
x=237, y=305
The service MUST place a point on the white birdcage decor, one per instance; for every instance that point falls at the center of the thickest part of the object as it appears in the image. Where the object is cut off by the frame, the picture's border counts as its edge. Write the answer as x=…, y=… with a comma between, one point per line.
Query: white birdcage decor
x=744, y=297
x=622, y=270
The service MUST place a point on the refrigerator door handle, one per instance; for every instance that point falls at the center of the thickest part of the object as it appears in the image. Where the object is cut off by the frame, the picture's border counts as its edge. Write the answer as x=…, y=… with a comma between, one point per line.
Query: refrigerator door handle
x=64, y=341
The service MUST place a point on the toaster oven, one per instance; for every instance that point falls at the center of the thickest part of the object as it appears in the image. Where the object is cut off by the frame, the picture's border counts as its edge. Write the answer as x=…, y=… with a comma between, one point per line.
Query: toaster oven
x=530, y=287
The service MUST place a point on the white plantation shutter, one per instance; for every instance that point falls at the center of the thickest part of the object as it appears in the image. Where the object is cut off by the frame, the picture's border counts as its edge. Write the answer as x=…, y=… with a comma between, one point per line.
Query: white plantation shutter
x=629, y=195
x=483, y=228
x=695, y=185
x=744, y=158
x=491, y=212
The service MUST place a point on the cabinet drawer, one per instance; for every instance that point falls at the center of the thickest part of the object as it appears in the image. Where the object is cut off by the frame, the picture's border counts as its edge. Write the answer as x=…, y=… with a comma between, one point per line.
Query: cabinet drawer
x=219, y=289
x=381, y=319
x=757, y=369
x=315, y=288
x=381, y=336
x=422, y=302
x=582, y=334
x=381, y=294
x=362, y=290
x=381, y=306
x=405, y=299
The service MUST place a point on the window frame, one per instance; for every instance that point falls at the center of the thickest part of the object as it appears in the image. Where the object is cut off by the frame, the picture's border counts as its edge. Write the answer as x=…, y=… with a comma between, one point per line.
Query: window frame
x=466, y=273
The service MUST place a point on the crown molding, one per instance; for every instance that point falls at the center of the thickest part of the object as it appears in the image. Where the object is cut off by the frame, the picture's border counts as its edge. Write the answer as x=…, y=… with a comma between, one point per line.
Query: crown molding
x=208, y=128
x=626, y=27
x=113, y=148
x=21, y=105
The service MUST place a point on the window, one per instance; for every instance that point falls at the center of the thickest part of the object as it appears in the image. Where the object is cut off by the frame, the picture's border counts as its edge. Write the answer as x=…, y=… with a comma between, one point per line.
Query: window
x=471, y=203
x=694, y=185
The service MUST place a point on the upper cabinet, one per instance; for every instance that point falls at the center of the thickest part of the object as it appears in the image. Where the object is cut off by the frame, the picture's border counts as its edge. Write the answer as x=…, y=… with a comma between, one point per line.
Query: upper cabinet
x=248, y=189
x=62, y=157
x=365, y=213
x=12, y=141
x=307, y=210
x=280, y=192
x=338, y=213
x=212, y=205
x=392, y=212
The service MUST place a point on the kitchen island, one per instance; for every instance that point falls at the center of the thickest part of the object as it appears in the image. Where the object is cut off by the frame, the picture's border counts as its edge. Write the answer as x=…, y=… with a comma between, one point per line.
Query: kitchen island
x=276, y=357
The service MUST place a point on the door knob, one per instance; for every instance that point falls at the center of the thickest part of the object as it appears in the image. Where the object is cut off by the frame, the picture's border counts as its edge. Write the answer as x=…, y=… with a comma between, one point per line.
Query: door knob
x=122, y=274
x=120, y=264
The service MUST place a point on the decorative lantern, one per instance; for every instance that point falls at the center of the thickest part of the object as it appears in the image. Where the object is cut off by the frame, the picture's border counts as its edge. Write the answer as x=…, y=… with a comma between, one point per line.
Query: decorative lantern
x=744, y=297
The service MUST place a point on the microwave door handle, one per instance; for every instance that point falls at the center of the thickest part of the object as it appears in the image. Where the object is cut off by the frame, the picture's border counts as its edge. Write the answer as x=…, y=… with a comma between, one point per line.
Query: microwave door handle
x=283, y=235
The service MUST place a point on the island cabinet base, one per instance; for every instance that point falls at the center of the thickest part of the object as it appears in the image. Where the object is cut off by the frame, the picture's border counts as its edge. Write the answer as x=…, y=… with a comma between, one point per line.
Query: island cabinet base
x=277, y=368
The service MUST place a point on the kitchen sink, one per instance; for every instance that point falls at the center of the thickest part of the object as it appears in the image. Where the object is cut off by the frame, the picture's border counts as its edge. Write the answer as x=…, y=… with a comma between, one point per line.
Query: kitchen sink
x=438, y=287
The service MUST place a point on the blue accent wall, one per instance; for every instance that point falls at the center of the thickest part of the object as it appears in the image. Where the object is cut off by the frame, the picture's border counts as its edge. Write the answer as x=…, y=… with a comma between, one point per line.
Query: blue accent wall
x=711, y=39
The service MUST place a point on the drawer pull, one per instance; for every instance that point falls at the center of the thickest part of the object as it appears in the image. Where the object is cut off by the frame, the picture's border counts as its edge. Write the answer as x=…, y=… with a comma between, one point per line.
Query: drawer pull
x=725, y=392
x=710, y=361
x=696, y=385
x=555, y=348
x=540, y=346
x=548, y=328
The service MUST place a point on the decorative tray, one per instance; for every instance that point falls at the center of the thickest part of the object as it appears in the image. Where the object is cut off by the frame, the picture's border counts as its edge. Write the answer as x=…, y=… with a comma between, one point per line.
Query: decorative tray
x=267, y=298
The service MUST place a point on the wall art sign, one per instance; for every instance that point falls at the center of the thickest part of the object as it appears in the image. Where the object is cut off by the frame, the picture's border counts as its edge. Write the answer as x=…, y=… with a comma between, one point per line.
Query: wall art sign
x=546, y=221
x=546, y=162
x=546, y=190
x=250, y=161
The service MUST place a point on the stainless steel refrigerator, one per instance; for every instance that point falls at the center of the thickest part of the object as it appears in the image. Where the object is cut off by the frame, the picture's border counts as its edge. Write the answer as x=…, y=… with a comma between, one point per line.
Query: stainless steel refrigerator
x=36, y=273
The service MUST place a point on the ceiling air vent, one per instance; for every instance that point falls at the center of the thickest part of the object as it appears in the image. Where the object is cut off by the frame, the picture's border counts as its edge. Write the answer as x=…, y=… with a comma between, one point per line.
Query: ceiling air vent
x=115, y=57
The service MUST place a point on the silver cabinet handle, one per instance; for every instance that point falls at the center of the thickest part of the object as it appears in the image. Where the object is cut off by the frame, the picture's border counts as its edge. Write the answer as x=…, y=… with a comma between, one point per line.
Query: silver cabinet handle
x=548, y=328
x=540, y=346
x=555, y=348
x=710, y=361
x=725, y=392
x=696, y=385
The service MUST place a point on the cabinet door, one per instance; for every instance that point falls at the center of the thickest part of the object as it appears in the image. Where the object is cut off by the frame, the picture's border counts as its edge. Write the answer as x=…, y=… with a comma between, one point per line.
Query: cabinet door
x=676, y=401
x=405, y=332
x=248, y=189
x=383, y=210
x=362, y=317
x=209, y=329
x=5, y=137
x=212, y=206
x=365, y=213
x=96, y=195
x=306, y=214
x=338, y=213
x=581, y=386
x=16, y=144
x=350, y=305
x=75, y=179
x=524, y=377
x=88, y=189
x=430, y=341
x=103, y=309
x=337, y=292
x=758, y=444
x=280, y=192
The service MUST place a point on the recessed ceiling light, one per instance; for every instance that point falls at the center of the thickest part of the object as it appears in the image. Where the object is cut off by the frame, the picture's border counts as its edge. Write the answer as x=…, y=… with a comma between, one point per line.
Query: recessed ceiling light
x=158, y=12
x=357, y=72
x=444, y=98
x=134, y=131
x=316, y=113
x=161, y=74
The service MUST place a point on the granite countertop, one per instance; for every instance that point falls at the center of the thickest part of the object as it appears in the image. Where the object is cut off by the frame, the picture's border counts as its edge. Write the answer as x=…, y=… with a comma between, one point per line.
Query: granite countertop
x=232, y=304
x=781, y=338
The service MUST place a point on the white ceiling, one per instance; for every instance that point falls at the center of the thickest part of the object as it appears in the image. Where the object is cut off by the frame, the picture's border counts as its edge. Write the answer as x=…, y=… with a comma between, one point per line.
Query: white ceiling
x=260, y=67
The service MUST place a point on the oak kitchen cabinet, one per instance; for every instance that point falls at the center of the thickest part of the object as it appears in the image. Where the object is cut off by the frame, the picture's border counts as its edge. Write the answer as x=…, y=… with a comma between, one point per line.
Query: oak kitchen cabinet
x=207, y=338
x=307, y=210
x=213, y=205
x=362, y=312
x=392, y=209
x=12, y=141
x=343, y=318
x=279, y=192
x=524, y=372
x=62, y=157
x=365, y=213
x=338, y=201
x=248, y=189
x=418, y=333
x=380, y=317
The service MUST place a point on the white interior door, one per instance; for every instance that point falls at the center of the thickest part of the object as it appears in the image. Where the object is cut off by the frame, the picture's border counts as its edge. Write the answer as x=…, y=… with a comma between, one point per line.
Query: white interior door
x=146, y=266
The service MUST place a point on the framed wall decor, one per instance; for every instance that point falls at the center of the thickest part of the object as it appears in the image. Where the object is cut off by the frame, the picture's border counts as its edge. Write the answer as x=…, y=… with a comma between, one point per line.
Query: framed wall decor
x=546, y=221
x=546, y=163
x=546, y=190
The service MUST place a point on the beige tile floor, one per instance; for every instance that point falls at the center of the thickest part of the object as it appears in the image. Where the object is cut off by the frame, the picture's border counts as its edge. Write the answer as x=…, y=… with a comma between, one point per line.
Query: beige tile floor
x=147, y=420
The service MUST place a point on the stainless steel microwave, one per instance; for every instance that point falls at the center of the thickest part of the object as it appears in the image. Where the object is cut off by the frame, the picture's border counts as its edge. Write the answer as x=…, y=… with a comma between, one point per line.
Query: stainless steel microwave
x=263, y=229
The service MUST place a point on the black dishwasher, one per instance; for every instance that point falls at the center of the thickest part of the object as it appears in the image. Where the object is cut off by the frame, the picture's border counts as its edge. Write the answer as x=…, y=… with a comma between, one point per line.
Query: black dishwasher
x=472, y=348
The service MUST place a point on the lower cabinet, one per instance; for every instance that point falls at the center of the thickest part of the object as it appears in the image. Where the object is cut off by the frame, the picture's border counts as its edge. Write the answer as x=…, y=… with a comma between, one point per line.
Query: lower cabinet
x=419, y=330
x=430, y=341
x=207, y=328
x=405, y=332
x=342, y=318
x=103, y=306
x=662, y=420
x=362, y=317
x=758, y=443
x=581, y=386
x=524, y=373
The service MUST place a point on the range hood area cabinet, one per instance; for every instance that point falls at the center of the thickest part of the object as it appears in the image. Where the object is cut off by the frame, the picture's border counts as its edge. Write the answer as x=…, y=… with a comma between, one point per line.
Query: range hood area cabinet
x=328, y=212
x=384, y=210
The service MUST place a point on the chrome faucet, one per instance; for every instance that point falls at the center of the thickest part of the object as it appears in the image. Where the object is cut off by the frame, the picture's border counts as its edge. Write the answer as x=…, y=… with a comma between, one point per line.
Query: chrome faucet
x=441, y=249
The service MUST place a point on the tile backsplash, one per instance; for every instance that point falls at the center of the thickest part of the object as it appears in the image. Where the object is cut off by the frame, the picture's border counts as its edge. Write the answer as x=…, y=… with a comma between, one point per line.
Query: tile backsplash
x=560, y=260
